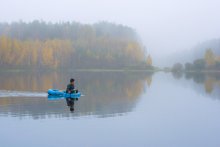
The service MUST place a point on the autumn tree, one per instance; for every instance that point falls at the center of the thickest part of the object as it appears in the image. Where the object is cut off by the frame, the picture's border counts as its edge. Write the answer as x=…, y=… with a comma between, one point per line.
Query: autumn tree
x=177, y=67
x=189, y=66
x=199, y=64
x=149, y=60
x=209, y=58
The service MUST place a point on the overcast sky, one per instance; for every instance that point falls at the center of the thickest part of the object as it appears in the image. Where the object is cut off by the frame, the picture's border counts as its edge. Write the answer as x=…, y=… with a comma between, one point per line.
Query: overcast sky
x=165, y=26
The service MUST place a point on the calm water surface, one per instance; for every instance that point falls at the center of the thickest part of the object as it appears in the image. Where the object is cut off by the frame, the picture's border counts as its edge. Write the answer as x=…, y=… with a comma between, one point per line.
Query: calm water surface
x=117, y=109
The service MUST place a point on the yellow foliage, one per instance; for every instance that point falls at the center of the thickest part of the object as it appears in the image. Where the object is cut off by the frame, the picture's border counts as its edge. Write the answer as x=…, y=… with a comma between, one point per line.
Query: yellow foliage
x=209, y=84
x=149, y=60
x=209, y=57
x=217, y=58
x=57, y=53
x=149, y=81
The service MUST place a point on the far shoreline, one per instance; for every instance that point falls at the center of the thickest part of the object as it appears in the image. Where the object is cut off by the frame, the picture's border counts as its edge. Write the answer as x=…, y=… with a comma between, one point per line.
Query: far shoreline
x=156, y=69
x=79, y=70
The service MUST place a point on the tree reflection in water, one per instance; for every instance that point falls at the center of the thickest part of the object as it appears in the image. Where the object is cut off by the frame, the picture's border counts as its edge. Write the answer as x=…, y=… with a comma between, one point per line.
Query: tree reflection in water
x=106, y=93
x=210, y=82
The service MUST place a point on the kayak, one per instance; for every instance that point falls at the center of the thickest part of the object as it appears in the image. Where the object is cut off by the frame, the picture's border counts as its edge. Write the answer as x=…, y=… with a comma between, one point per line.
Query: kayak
x=52, y=97
x=58, y=93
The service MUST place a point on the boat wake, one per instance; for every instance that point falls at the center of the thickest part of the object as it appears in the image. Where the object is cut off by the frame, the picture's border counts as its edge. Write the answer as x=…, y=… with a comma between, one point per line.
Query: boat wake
x=8, y=93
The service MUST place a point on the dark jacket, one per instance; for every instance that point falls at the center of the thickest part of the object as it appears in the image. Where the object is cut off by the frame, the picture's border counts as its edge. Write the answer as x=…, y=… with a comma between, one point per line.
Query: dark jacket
x=70, y=88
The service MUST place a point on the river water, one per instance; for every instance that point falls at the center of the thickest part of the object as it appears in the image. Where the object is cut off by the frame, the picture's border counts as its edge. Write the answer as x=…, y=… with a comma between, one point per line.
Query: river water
x=117, y=109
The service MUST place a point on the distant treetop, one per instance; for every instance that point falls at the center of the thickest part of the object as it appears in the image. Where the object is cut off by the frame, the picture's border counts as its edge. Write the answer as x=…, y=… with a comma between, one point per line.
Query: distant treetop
x=64, y=30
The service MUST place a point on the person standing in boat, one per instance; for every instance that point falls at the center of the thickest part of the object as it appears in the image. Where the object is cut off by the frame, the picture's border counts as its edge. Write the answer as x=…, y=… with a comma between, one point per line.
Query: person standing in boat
x=71, y=87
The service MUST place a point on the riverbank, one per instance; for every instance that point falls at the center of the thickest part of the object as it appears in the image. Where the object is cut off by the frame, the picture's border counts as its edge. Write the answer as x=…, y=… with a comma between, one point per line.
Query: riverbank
x=80, y=70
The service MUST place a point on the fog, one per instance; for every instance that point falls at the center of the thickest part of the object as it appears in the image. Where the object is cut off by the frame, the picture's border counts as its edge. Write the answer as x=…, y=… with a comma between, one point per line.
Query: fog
x=165, y=26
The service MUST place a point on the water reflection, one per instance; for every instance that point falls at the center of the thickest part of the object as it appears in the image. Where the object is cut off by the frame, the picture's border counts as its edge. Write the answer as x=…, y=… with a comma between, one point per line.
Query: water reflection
x=70, y=103
x=210, y=82
x=106, y=93
x=177, y=75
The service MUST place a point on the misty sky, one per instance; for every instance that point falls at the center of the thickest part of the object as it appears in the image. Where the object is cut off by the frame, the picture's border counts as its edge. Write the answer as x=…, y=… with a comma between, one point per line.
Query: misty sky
x=165, y=26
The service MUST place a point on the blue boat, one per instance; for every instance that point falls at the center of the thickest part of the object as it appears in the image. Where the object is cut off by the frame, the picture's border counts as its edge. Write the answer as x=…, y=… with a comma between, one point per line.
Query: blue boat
x=59, y=94
x=52, y=97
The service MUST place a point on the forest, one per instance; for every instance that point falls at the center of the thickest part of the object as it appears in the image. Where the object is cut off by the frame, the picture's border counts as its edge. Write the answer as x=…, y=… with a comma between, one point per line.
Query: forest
x=210, y=62
x=43, y=45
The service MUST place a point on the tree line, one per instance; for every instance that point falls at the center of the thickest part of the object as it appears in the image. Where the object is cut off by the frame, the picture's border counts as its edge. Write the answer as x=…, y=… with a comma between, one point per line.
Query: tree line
x=69, y=45
x=210, y=61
